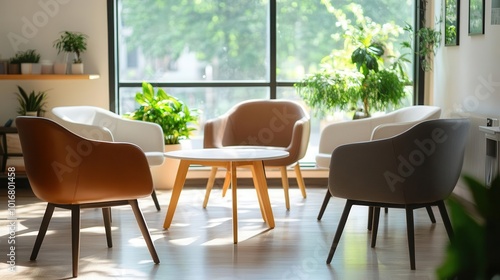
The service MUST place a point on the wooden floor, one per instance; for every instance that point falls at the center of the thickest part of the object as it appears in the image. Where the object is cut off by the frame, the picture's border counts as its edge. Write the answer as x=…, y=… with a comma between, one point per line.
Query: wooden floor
x=199, y=243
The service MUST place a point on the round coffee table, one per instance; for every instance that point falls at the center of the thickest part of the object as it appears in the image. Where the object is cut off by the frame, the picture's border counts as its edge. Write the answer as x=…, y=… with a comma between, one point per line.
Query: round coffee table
x=229, y=158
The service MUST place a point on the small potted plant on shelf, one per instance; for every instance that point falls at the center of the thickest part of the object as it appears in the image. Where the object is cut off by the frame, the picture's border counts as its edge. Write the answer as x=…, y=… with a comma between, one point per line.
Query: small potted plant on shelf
x=15, y=64
x=72, y=42
x=31, y=104
x=176, y=121
x=29, y=62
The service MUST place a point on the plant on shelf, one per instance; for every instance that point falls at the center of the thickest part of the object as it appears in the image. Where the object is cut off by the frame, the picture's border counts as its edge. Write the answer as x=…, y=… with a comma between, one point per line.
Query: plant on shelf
x=32, y=103
x=174, y=117
x=472, y=252
x=28, y=56
x=366, y=83
x=72, y=42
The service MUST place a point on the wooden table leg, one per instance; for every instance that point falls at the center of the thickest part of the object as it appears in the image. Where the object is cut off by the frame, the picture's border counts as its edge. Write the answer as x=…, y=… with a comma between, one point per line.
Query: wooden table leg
x=234, y=188
x=176, y=191
x=210, y=185
x=266, y=203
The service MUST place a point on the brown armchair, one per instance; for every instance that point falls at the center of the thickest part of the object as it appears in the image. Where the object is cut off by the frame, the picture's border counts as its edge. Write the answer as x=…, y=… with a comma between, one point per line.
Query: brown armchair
x=274, y=124
x=417, y=168
x=72, y=172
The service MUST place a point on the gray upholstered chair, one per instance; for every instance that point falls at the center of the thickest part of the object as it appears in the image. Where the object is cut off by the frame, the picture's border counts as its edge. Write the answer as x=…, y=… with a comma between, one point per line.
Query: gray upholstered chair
x=274, y=124
x=418, y=168
x=373, y=128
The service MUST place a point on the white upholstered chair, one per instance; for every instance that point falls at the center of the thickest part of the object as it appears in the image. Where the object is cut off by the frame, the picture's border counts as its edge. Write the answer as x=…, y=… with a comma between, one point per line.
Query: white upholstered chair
x=379, y=127
x=100, y=124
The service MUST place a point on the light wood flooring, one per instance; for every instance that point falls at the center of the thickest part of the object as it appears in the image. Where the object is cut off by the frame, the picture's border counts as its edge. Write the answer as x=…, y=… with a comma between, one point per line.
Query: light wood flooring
x=199, y=243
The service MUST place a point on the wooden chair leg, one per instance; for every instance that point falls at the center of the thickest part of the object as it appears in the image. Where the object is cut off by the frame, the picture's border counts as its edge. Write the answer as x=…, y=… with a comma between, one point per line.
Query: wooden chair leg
x=300, y=180
x=370, y=218
x=376, y=217
x=155, y=200
x=286, y=186
x=411, y=236
x=106, y=214
x=446, y=219
x=144, y=230
x=340, y=229
x=49, y=210
x=431, y=214
x=75, y=237
x=328, y=195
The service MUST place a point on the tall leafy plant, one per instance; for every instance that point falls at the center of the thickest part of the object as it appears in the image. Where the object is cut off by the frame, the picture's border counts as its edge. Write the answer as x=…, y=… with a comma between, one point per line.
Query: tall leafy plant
x=174, y=117
x=72, y=42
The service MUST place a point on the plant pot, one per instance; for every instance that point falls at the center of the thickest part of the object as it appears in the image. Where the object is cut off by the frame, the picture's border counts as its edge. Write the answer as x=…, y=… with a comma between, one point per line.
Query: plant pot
x=32, y=113
x=47, y=67
x=26, y=68
x=164, y=175
x=14, y=68
x=36, y=68
x=77, y=68
x=60, y=68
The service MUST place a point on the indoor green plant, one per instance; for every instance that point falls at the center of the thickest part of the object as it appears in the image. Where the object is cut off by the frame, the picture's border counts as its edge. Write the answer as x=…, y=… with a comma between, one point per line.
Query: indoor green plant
x=27, y=59
x=475, y=245
x=31, y=103
x=72, y=42
x=174, y=117
x=373, y=87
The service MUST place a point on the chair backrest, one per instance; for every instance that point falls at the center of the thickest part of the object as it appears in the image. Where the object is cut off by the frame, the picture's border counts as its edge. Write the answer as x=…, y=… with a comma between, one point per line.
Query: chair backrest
x=422, y=164
x=108, y=126
x=337, y=134
x=65, y=168
x=269, y=123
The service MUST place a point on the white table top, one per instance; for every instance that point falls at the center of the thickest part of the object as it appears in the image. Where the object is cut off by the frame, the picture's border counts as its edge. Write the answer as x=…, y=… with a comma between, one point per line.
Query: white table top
x=228, y=154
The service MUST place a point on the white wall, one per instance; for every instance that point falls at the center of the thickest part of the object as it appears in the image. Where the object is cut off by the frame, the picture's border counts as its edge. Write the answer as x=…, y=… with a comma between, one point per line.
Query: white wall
x=36, y=24
x=467, y=82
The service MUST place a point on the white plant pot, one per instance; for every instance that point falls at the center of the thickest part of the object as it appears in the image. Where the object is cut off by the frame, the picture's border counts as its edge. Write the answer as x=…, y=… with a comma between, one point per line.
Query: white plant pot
x=77, y=68
x=60, y=68
x=36, y=68
x=26, y=68
x=32, y=113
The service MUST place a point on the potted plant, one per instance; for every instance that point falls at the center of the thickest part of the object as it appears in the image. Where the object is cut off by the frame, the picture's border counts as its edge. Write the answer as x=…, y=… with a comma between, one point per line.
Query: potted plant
x=176, y=121
x=28, y=59
x=472, y=252
x=31, y=104
x=15, y=64
x=72, y=42
x=372, y=87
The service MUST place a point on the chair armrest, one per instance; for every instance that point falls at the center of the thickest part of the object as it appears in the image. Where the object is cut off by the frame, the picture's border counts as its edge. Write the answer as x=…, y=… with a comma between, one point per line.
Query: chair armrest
x=363, y=171
x=213, y=132
x=300, y=139
x=147, y=135
x=336, y=134
x=88, y=131
x=113, y=170
x=391, y=129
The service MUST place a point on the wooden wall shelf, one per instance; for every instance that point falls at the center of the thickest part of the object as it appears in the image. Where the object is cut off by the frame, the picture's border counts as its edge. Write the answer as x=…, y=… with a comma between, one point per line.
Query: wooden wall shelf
x=49, y=77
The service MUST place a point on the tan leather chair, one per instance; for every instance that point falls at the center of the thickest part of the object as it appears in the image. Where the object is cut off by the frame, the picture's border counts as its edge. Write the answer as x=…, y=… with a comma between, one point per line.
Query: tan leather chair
x=72, y=172
x=274, y=124
x=100, y=124
x=415, y=169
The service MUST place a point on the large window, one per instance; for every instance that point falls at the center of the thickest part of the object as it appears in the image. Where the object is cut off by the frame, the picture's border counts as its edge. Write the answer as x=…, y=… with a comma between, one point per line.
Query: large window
x=213, y=54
